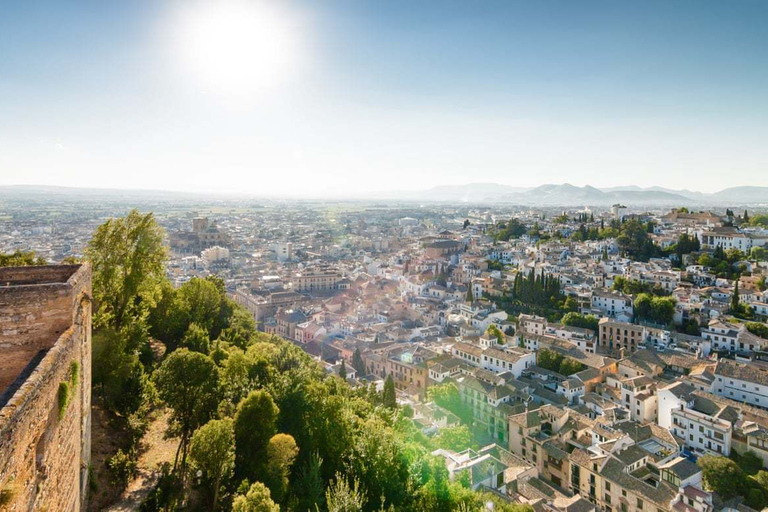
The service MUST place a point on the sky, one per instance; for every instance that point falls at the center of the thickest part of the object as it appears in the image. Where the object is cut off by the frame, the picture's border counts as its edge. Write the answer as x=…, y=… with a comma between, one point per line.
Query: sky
x=344, y=97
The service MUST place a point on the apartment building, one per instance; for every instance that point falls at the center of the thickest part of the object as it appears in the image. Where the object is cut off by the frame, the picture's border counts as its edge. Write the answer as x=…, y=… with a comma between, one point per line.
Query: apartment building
x=732, y=337
x=614, y=336
x=496, y=359
x=612, y=303
x=319, y=280
x=745, y=383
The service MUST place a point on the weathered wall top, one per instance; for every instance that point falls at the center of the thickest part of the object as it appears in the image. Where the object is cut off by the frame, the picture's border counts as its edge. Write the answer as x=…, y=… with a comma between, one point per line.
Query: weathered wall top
x=36, y=307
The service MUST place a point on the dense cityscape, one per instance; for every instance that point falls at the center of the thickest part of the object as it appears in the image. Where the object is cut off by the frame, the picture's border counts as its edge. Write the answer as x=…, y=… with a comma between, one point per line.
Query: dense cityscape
x=383, y=256
x=569, y=358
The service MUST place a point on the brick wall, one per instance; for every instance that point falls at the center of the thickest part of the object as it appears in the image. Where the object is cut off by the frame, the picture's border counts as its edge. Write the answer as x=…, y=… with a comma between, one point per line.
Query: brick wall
x=44, y=454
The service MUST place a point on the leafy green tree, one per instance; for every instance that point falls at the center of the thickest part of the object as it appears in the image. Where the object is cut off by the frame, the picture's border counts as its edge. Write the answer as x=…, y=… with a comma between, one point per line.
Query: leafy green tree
x=241, y=329
x=255, y=424
x=662, y=309
x=570, y=366
x=549, y=359
x=128, y=260
x=389, y=398
x=571, y=304
x=188, y=383
x=21, y=259
x=196, y=339
x=342, y=496
x=281, y=453
x=577, y=320
x=212, y=450
x=378, y=460
x=453, y=438
x=257, y=499
x=118, y=375
x=758, y=329
x=759, y=220
x=512, y=229
x=496, y=333
x=309, y=483
x=722, y=475
x=750, y=463
x=202, y=300
x=634, y=240
x=735, y=304
x=343, y=370
x=447, y=395
x=759, y=254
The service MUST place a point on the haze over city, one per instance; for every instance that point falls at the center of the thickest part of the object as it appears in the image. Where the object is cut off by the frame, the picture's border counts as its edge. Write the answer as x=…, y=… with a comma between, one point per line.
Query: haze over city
x=384, y=256
x=342, y=98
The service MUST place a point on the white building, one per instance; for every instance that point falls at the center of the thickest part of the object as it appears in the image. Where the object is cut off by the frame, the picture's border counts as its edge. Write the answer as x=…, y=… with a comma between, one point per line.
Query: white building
x=611, y=303
x=746, y=383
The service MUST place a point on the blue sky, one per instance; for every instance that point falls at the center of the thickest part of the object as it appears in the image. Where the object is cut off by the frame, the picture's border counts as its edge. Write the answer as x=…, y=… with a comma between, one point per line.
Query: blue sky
x=341, y=97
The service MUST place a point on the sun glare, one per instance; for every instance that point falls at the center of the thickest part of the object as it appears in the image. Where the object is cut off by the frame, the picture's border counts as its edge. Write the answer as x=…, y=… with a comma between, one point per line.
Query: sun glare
x=238, y=47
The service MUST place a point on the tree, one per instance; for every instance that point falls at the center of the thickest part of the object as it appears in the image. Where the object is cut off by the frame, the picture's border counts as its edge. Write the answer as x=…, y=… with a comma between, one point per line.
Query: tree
x=257, y=499
x=758, y=329
x=202, y=300
x=309, y=483
x=21, y=259
x=577, y=320
x=255, y=424
x=128, y=258
x=196, y=339
x=343, y=497
x=470, y=295
x=466, y=223
x=570, y=366
x=389, y=398
x=454, y=438
x=281, y=453
x=358, y=364
x=634, y=240
x=496, y=333
x=188, y=383
x=735, y=305
x=343, y=370
x=118, y=375
x=722, y=475
x=750, y=463
x=549, y=359
x=212, y=450
x=571, y=304
x=662, y=309
x=759, y=254
x=745, y=219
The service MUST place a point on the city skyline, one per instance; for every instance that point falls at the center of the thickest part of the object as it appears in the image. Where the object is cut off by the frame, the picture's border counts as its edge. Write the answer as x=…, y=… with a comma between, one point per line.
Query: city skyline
x=295, y=99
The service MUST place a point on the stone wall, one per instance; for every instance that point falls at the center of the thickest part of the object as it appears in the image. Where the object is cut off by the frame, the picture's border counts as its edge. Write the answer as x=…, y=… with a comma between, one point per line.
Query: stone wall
x=45, y=317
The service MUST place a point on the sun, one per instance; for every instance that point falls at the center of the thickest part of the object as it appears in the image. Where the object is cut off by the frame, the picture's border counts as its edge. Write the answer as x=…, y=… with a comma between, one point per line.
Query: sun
x=238, y=47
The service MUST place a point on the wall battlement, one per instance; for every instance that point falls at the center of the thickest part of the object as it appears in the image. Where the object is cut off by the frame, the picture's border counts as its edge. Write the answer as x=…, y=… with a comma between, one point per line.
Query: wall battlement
x=45, y=345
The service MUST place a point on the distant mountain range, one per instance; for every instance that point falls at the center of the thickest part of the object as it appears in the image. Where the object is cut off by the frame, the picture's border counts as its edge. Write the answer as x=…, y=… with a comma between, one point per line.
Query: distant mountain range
x=571, y=195
x=544, y=195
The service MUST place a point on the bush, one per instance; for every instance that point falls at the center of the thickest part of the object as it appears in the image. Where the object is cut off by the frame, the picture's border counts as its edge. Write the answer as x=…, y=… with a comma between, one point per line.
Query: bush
x=122, y=467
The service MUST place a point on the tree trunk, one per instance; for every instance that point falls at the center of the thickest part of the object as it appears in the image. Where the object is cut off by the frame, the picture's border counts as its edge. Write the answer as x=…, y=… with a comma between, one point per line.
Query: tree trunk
x=216, y=493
